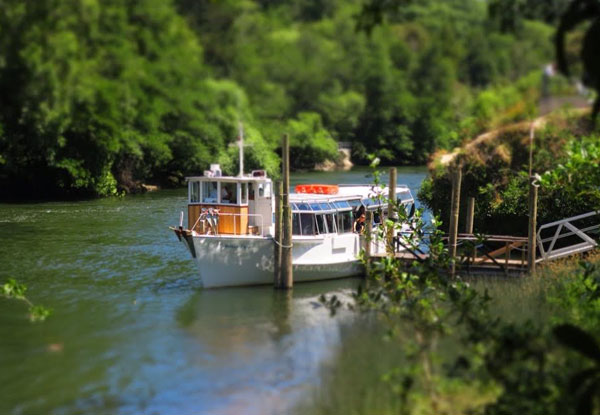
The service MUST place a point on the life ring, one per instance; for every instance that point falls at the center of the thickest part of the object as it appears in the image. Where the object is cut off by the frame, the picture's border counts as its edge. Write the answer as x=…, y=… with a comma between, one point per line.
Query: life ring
x=321, y=189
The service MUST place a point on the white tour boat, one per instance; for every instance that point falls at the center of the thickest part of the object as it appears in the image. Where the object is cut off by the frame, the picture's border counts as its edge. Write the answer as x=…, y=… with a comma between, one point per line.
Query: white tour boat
x=231, y=226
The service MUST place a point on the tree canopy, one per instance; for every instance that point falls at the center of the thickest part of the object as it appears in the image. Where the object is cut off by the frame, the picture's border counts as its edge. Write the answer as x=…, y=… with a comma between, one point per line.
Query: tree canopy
x=99, y=96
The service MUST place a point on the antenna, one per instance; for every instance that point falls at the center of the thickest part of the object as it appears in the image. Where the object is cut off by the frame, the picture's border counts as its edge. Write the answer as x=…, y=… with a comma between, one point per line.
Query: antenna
x=240, y=144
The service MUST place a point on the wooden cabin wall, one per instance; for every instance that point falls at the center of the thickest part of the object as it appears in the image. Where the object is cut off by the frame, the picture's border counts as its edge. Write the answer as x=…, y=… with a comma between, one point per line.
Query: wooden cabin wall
x=226, y=222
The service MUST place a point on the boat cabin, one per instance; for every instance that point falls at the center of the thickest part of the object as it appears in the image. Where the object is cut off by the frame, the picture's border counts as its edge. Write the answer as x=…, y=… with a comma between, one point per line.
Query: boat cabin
x=317, y=214
x=243, y=205
x=229, y=205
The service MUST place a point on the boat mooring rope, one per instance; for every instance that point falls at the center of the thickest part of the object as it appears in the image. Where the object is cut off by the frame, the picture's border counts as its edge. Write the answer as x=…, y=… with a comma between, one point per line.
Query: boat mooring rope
x=281, y=245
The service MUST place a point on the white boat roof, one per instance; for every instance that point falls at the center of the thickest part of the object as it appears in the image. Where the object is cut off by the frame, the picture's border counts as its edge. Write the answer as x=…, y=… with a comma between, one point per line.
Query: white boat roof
x=245, y=178
x=353, y=191
x=345, y=192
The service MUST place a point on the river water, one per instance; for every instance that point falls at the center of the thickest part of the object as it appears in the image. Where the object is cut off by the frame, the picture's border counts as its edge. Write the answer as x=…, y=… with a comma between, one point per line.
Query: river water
x=133, y=332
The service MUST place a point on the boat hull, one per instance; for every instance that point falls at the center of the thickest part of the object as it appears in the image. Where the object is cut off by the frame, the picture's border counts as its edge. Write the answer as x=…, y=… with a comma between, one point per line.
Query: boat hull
x=237, y=261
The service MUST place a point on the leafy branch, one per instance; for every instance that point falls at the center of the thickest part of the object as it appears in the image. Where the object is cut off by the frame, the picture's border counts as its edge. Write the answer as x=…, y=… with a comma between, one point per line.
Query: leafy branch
x=15, y=290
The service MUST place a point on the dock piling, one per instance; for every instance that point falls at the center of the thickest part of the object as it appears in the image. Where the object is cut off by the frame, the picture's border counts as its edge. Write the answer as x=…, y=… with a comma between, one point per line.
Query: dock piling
x=368, y=237
x=278, y=240
x=392, y=214
x=531, y=246
x=287, y=276
x=454, y=212
x=470, y=215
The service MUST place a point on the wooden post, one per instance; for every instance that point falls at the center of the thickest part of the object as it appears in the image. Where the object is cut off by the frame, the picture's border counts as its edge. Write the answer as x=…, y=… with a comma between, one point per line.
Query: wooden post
x=368, y=237
x=392, y=214
x=470, y=215
x=454, y=212
x=287, y=276
x=278, y=239
x=531, y=245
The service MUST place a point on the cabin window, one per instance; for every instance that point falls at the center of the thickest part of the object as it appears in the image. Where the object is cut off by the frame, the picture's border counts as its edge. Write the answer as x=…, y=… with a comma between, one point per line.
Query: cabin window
x=355, y=204
x=210, y=193
x=307, y=223
x=267, y=189
x=330, y=221
x=194, y=192
x=371, y=202
x=244, y=196
x=345, y=222
x=296, y=224
x=377, y=216
x=404, y=196
x=320, y=224
x=229, y=193
x=302, y=206
x=342, y=204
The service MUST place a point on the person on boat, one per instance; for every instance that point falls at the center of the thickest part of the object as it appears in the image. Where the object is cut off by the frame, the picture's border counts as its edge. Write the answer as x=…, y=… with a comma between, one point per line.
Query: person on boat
x=359, y=224
x=224, y=194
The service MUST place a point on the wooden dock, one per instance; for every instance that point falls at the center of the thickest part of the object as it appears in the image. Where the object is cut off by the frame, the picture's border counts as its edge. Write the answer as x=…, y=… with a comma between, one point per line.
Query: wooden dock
x=476, y=254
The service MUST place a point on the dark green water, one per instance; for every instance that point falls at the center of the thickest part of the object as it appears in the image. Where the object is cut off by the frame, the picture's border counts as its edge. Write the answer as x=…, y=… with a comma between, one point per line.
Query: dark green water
x=133, y=332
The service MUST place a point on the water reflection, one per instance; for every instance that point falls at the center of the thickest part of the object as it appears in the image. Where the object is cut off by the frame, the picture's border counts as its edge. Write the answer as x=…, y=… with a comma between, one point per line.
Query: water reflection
x=263, y=345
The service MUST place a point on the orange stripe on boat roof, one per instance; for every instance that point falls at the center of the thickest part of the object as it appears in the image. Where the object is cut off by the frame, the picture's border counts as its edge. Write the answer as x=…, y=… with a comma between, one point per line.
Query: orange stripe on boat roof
x=320, y=189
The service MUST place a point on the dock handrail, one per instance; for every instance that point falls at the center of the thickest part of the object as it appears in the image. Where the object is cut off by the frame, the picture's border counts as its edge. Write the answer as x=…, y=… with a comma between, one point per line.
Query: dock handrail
x=547, y=245
x=215, y=212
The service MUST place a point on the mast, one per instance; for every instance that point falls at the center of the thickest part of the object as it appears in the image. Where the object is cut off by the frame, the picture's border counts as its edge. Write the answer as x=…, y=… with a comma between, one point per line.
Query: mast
x=240, y=144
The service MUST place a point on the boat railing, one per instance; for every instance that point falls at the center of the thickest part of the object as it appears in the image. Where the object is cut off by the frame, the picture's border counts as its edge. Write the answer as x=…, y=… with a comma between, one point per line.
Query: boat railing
x=212, y=217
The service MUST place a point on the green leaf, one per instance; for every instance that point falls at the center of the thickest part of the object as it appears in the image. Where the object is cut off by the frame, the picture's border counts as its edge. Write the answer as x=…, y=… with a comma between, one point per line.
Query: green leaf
x=39, y=313
x=12, y=289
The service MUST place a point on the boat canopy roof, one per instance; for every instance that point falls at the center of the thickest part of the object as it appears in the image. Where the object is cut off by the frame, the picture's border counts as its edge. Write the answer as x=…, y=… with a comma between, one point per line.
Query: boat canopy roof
x=348, y=198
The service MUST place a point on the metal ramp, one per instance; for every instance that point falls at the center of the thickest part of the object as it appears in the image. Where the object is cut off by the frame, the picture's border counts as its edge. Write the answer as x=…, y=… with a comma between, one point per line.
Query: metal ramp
x=568, y=236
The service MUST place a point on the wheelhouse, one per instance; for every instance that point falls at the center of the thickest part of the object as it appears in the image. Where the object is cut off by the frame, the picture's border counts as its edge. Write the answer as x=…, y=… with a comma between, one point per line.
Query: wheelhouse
x=229, y=205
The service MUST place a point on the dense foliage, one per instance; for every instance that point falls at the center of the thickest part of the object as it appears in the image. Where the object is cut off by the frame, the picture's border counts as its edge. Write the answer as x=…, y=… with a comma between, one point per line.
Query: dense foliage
x=496, y=173
x=100, y=96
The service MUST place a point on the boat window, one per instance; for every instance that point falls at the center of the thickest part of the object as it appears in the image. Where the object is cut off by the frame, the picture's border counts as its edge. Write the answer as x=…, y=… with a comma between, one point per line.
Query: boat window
x=194, y=192
x=315, y=206
x=209, y=192
x=404, y=196
x=307, y=222
x=320, y=224
x=325, y=206
x=302, y=206
x=371, y=202
x=264, y=189
x=244, y=199
x=296, y=224
x=342, y=204
x=377, y=216
x=354, y=203
x=229, y=193
x=345, y=220
x=330, y=220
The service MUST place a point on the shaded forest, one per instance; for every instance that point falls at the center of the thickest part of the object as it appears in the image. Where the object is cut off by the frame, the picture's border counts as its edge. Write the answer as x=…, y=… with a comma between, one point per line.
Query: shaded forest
x=99, y=97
